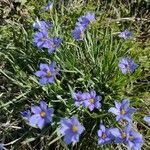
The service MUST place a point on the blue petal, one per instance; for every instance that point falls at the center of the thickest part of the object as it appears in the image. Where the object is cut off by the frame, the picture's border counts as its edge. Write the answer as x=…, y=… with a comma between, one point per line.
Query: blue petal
x=92, y=94
x=26, y=115
x=50, y=80
x=117, y=105
x=102, y=127
x=51, y=50
x=119, y=118
x=75, y=138
x=40, y=123
x=115, y=132
x=49, y=6
x=44, y=67
x=90, y=16
x=131, y=110
x=100, y=141
x=65, y=125
x=98, y=98
x=128, y=117
x=34, y=119
x=43, y=105
x=43, y=81
x=147, y=119
x=124, y=71
x=86, y=103
x=68, y=137
x=74, y=121
x=114, y=111
x=99, y=132
x=80, y=129
x=127, y=128
x=36, y=109
x=125, y=104
x=97, y=105
x=49, y=114
x=130, y=144
x=91, y=107
x=52, y=65
x=40, y=73
x=47, y=44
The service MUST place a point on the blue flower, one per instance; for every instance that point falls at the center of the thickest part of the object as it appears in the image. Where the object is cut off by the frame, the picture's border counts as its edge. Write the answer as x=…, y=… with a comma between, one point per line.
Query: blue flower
x=126, y=34
x=42, y=25
x=71, y=130
x=128, y=136
x=42, y=115
x=134, y=140
x=147, y=119
x=81, y=25
x=54, y=44
x=127, y=65
x=47, y=73
x=92, y=100
x=122, y=110
x=41, y=40
x=85, y=20
x=49, y=6
x=104, y=135
x=78, y=97
x=78, y=33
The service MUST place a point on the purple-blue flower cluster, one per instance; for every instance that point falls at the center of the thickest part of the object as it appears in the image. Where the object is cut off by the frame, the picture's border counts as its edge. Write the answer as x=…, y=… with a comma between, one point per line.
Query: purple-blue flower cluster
x=41, y=37
x=82, y=24
x=87, y=99
x=41, y=115
x=38, y=116
x=71, y=129
x=127, y=136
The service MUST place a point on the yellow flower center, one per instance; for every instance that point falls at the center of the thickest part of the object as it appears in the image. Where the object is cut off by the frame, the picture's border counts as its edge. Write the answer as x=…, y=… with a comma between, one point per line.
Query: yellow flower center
x=43, y=39
x=81, y=35
x=131, y=138
x=123, y=135
x=91, y=100
x=123, y=111
x=54, y=45
x=104, y=135
x=48, y=74
x=42, y=114
x=74, y=128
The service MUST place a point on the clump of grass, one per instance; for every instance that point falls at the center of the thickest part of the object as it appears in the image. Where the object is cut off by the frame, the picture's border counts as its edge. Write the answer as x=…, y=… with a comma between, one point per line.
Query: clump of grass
x=91, y=64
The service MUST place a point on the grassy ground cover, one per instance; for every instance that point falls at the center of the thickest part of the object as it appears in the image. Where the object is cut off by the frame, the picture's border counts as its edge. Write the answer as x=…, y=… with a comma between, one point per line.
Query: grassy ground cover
x=84, y=65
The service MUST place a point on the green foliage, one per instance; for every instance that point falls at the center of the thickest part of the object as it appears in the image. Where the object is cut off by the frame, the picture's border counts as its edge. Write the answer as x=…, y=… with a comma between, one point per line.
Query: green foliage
x=91, y=64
